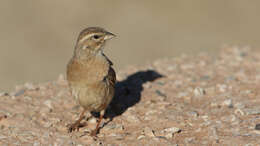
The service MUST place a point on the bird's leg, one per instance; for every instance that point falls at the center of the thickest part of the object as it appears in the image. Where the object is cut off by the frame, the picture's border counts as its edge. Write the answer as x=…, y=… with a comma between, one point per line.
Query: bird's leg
x=94, y=132
x=75, y=126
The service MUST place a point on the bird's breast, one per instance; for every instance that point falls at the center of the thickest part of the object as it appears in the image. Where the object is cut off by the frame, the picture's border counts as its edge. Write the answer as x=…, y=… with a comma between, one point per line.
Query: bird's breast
x=87, y=71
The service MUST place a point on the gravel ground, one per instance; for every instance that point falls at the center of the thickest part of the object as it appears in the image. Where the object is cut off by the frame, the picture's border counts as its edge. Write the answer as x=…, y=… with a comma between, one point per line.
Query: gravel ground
x=178, y=101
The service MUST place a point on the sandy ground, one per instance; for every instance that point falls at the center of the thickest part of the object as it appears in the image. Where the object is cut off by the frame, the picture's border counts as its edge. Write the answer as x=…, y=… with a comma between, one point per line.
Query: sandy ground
x=181, y=101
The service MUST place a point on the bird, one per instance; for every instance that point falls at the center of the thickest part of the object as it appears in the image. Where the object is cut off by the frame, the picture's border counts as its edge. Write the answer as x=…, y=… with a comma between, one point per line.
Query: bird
x=90, y=75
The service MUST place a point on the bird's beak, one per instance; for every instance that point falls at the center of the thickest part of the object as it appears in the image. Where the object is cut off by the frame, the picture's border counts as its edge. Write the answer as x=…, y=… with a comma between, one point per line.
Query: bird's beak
x=109, y=36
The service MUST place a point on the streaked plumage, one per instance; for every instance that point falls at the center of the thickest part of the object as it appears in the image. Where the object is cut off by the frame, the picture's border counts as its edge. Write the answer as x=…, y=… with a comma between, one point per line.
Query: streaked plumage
x=90, y=74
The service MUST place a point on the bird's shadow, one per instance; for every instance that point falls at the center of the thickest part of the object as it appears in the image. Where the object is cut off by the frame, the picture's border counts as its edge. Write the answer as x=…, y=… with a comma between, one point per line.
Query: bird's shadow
x=128, y=92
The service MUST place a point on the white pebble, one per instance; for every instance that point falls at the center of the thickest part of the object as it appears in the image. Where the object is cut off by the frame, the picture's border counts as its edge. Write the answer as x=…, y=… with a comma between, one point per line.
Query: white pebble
x=199, y=91
x=172, y=130
x=228, y=103
x=48, y=104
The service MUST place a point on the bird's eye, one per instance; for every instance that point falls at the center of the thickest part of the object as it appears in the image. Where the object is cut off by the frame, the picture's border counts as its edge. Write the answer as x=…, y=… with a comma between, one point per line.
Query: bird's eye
x=96, y=36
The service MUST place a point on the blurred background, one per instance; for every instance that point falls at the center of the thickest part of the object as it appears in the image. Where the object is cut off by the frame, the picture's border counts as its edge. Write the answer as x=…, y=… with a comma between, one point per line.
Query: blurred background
x=37, y=38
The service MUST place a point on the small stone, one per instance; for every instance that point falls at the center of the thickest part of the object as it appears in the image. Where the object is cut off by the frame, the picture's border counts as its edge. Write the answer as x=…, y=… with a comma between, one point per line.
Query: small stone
x=132, y=119
x=210, y=90
x=3, y=94
x=239, y=105
x=169, y=132
x=222, y=87
x=3, y=117
x=47, y=125
x=182, y=94
x=27, y=97
x=147, y=85
x=48, y=103
x=140, y=137
x=160, y=93
x=249, y=144
x=61, y=80
x=2, y=137
x=169, y=135
x=150, y=112
x=172, y=67
x=239, y=111
x=189, y=139
x=199, y=91
x=257, y=127
x=61, y=77
x=229, y=118
x=114, y=126
x=148, y=132
x=92, y=121
x=193, y=113
x=205, y=118
x=228, y=103
x=20, y=92
x=246, y=92
x=116, y=135
x=214, y=104
x=205, y=77
x=255, y=111
x=29, y=86
x=160, y=83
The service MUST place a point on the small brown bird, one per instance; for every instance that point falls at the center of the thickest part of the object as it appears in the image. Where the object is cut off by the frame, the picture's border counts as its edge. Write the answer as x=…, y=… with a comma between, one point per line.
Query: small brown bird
x=90, y=74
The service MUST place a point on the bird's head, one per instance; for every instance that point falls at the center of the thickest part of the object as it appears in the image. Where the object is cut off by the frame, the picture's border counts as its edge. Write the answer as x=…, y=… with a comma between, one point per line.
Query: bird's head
x=92, y=40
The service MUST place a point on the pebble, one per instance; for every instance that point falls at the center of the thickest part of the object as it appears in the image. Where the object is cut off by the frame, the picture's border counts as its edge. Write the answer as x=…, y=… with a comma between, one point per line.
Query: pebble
x=18, y=93
x=114, y=126
x=199, y=91
x=3, y=94
x=255, y=111
x=205, y=117
x=210, y=90
x=160, y=93
x=2, y=137
x=214, y=104
x=48, y=103
x=61, y=80
x=148, y=132
x=205, y=77
x=47, y=124
x=169, y=132
x=150, y=112
x=140, y=137
x=92, y=120
x=182, y=94
x=29, y=86
x=36, y=144
x=249, y=144
x=239, y=111
x=132, y=118
x=193, y=113
x=117, y=136
x=239, y=105
x=189, y=139
x=228, y=103
x=257, y=127
x=147, y=85
x=27, y=98
x=222, y=87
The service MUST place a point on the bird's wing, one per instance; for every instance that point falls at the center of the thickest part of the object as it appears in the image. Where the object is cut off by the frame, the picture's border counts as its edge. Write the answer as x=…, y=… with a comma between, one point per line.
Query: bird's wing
x=111, y=77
